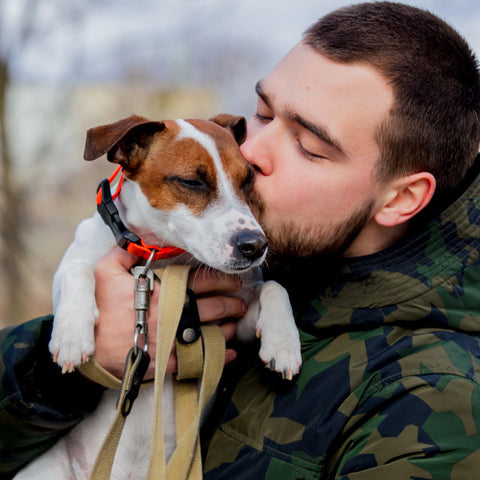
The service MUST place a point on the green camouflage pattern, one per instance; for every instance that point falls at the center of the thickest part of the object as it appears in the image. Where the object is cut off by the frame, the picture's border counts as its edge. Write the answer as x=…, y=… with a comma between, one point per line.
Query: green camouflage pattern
x=37, y=403
x=390, y=384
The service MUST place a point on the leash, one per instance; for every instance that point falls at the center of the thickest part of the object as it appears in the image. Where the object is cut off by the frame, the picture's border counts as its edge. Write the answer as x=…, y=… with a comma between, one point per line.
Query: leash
x=194, y=361
x=185, y=462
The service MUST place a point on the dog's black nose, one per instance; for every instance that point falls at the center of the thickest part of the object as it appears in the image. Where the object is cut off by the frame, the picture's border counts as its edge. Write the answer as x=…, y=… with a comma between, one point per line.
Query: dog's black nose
x=251, y=244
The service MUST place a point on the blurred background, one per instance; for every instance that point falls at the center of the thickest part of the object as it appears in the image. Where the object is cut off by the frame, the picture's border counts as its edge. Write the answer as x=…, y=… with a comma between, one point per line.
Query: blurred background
x=68, y=65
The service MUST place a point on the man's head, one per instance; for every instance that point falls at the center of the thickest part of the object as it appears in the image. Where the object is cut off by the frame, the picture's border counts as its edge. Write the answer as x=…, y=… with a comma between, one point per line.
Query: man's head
x=434, y=124
x=345, y=143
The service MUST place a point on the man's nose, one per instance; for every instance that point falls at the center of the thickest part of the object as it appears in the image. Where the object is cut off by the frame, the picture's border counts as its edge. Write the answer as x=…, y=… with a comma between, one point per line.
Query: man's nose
x=257, y=150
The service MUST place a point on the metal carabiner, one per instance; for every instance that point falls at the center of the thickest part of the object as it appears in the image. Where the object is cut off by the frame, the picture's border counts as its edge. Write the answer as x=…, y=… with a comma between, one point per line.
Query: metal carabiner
x=144, y=282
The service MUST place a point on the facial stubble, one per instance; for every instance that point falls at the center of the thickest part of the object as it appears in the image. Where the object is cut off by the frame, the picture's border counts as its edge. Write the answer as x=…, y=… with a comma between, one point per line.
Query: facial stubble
x=290, y=239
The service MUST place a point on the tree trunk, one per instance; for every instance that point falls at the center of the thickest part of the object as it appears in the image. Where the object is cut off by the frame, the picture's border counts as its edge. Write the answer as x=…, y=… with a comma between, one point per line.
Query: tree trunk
x=11, y=248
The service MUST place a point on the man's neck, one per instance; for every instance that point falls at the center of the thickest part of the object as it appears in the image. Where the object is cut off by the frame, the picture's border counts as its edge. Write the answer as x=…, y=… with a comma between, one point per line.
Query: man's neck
x=444, y=198
x=374, y=238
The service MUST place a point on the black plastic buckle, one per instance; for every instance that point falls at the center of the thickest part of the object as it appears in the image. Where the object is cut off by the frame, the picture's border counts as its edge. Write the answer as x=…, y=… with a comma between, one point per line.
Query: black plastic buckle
x=188, y=330
x=109, y=213
x=140, y=361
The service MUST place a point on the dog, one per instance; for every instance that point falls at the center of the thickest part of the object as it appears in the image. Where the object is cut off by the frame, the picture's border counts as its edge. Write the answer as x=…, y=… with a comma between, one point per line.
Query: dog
x=186, y=185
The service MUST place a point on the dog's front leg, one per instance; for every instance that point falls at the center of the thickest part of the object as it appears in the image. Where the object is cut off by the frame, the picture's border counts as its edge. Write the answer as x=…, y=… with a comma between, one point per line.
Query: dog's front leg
x=73, y=293
x=280, y=343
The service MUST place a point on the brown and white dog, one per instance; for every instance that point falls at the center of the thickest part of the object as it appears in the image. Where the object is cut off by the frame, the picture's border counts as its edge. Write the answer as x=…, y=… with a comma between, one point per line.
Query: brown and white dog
x=186, y=184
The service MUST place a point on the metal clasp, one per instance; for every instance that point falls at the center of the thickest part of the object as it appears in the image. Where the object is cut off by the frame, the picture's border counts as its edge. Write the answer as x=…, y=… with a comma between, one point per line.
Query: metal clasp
x=144, y=282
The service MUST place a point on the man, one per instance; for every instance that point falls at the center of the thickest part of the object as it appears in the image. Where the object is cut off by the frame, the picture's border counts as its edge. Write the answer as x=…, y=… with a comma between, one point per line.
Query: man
x=364, y=146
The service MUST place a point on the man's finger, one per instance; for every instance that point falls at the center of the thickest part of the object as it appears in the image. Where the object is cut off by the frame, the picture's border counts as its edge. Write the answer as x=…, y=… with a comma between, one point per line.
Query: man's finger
x=220, y=308
x=205, y=280
x=119, y=259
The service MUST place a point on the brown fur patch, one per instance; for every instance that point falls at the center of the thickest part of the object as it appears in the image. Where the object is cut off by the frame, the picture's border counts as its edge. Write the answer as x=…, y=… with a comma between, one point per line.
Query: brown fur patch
x=234, y=165
x=169, y=161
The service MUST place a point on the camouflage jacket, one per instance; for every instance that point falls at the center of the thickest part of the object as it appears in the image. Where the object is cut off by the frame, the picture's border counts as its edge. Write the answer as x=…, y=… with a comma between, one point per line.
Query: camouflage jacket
x=37, y=403
x=390, y=384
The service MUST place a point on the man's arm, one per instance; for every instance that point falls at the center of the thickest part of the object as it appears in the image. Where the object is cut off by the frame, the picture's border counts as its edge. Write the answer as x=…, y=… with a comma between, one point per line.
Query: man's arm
x=37, y=403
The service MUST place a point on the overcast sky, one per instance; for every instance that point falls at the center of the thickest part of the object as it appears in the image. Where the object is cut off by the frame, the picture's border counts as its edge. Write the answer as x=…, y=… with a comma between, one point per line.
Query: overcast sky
x=227, y=44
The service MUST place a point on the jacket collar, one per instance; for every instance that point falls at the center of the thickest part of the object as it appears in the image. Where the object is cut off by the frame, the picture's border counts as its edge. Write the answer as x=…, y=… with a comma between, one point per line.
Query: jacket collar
x=419, y=271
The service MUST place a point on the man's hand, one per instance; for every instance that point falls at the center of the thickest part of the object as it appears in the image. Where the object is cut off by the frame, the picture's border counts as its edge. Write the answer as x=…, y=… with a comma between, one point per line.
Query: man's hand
x=115, y=326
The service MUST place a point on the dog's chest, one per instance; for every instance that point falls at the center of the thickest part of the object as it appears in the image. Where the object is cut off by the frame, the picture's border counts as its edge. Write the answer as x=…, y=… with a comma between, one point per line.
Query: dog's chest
x=132, y=456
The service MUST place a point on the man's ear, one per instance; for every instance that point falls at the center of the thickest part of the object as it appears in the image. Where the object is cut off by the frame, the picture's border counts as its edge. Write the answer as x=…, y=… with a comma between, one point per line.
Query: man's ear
x=405, y=198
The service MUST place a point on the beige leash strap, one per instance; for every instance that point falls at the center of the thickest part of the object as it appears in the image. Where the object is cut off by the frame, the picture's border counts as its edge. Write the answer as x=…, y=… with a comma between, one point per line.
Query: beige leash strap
x=103, y=463
x=96, y=373
x=172, y=298
x=185, y=462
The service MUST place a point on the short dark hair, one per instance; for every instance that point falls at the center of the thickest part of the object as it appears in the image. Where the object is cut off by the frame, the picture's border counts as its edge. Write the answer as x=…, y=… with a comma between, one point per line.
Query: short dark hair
x=434, y=124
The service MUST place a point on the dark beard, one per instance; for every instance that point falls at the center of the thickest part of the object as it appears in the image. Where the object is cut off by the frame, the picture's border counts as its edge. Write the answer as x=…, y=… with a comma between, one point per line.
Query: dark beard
x=304, y=260
x=291, y=241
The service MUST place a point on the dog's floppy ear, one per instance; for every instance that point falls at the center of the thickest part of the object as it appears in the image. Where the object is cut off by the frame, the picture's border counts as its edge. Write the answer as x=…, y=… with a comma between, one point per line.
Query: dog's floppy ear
x=120, y=140
x=237, y=125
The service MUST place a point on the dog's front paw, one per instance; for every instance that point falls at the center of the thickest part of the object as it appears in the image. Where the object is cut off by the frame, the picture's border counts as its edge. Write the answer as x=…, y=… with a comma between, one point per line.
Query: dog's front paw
x=280, y=342
x=72, y=340
x=280, y=349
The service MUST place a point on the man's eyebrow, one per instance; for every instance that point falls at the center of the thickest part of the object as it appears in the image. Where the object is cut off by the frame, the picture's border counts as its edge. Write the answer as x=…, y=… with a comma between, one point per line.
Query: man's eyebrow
x=319, y=131
x=261, y=93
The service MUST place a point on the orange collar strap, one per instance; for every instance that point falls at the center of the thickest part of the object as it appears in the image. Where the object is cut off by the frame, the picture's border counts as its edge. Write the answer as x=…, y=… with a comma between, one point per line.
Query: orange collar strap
x=111, y=178
x=125, y=238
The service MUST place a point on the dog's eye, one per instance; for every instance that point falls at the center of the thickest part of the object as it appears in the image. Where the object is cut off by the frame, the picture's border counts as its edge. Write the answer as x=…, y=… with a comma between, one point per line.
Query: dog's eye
x=193, y=184
x=248, y=181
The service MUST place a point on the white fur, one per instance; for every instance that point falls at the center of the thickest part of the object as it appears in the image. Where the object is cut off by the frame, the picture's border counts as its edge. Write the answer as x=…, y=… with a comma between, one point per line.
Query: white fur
x=208, y=239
